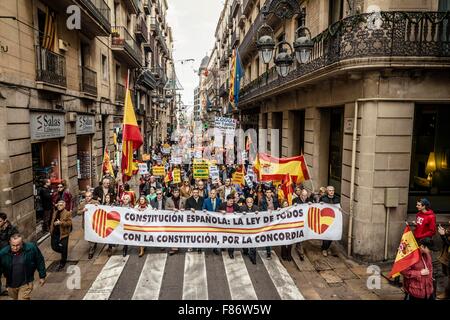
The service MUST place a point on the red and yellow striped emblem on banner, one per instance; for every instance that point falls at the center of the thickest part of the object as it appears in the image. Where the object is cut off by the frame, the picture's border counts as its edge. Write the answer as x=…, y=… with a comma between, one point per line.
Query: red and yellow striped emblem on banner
x=320, y=220
x=104, y=223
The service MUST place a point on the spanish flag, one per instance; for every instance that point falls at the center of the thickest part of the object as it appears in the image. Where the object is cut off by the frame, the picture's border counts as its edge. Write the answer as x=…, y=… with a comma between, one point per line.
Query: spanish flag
x=287, y=188
x=408, y=253
x=168, y=177
x=107, y=167
x=236, y=74
x=131, y=138
x=268, y=168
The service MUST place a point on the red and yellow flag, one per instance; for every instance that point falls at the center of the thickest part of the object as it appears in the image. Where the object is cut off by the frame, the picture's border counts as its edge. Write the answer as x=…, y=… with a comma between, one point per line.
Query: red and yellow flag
x=269, y=168
x=287, y=188
x=238, y=177
x=107, y=166
x=168, y=177
x=131, y=138
x=408, y=253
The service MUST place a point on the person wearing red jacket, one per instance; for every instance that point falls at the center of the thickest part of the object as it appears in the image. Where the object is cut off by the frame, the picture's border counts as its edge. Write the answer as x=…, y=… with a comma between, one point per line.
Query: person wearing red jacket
x=418, y=278
x=63, y=194
x=425, y=220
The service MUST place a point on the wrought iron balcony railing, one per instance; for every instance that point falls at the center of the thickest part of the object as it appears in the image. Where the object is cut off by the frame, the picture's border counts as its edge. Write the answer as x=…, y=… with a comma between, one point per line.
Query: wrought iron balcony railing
x=120, y=93
x=248, y=44
x=391, y=34
x=121, y=38
x=234, y=7
x=50, y=67
x=88, y=81
x=132, y=6
x=235, y=39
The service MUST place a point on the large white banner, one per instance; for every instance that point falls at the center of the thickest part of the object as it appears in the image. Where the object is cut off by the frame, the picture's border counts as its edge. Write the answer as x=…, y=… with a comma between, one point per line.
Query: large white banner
x=186, y=229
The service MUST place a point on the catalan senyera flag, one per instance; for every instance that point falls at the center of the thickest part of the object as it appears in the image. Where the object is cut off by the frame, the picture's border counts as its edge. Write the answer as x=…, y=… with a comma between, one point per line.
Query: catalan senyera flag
x=107, y=167
x=236, y=73
x=131, y=138
x=287, y=188
x=48, y=38
x=268, y=168
x=104, y=223
x=408, y=253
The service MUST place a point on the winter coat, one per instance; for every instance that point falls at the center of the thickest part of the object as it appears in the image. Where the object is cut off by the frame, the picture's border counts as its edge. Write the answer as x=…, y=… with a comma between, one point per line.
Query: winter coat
x=263, y=204
x=327, y=199
x=66, y=223
x=414, y=283
x=154, y=203
x=207, y=204
x=66, y=196
x=196, y=205
x=170, y=204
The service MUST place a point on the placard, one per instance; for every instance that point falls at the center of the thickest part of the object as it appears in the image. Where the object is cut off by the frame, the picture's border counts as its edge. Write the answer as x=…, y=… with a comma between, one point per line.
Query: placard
x=176, y=173
x=159, y=171
x=201, y=169
x=143, y=168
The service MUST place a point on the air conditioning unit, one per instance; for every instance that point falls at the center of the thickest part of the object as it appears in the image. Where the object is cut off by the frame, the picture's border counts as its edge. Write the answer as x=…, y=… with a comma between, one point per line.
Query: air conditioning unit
x=63, y=45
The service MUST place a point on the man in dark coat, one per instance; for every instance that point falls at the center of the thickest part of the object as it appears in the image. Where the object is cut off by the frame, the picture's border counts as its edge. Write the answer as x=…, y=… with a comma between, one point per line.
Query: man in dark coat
x=18, y=263
x=195, y=202
x=269, y=202
x=45, y=194
x=159, y=203
x=229, y=207
x=101, y=191
x=6, y=231
x=250, y=207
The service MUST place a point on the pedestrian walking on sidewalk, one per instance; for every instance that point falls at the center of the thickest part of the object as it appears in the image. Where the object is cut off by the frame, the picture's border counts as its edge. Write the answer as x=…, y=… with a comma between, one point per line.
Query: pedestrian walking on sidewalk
x=18, y=263
x=45, y=194
x=63, y=194
x=60, y=229
x=88, y=199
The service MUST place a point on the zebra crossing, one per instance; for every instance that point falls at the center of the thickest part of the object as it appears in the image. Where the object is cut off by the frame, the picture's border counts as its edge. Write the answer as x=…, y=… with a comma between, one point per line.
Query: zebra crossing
x=200, y=279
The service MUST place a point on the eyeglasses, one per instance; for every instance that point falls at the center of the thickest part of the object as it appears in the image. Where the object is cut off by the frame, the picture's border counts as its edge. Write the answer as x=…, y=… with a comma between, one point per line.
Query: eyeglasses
x=159, y=194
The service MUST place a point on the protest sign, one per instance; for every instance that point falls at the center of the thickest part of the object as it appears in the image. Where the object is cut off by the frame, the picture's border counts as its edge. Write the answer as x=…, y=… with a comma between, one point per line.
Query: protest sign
x=159, y=171
x=176, y=176
x=143, y=168
x=214, y=173
x=201, y=169
x=186, y=229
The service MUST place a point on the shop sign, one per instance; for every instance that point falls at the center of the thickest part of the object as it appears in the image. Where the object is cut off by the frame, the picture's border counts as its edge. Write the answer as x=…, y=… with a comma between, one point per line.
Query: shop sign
x=47, y=125
x=85, y=124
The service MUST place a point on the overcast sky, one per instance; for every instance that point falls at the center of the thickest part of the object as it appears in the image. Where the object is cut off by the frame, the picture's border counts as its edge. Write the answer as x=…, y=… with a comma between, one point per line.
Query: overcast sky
x=193, y=25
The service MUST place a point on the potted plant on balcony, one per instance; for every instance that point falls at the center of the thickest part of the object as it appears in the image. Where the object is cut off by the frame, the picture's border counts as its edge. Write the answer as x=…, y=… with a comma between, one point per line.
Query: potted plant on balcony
x=116, y=39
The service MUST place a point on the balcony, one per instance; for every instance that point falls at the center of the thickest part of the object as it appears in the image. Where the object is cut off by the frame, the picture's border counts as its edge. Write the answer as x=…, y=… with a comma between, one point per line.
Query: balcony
x=247, y=7
x=248, y=45
x=141, y=30
x=132, y=6
x=150, y=44
x=88, y=81
x=50, y=68
x=125, y=47
x=95, y=15
x=230, y=22
x=147, y=7
x=154, y=25
x=148, y=80
x=403, y=38
x=120, y=93
x=234, y=8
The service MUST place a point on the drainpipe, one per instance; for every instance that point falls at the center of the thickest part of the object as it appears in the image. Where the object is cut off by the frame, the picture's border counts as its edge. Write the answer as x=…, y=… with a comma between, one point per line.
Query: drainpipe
x=352, y=180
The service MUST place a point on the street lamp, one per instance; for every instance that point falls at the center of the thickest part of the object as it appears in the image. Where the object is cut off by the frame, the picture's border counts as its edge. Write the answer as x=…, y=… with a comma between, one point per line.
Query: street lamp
x=265, y=44
x=284, y=59
x=303, y=45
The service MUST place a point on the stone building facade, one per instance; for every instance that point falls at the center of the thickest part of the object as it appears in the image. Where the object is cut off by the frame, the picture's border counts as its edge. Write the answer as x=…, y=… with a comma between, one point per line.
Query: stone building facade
x=62, y=92
x=390, y=72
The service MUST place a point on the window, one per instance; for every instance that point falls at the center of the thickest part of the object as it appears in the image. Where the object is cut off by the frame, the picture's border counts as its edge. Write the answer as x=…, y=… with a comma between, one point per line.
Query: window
x=430, y=173
x=105, y=67
x=335, y=150
x=444, y=5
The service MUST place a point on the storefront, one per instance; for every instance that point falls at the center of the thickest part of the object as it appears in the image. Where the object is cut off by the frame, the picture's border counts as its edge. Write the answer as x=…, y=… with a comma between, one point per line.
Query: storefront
x=85, y=129
x=430, y=172
x=46, y=130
